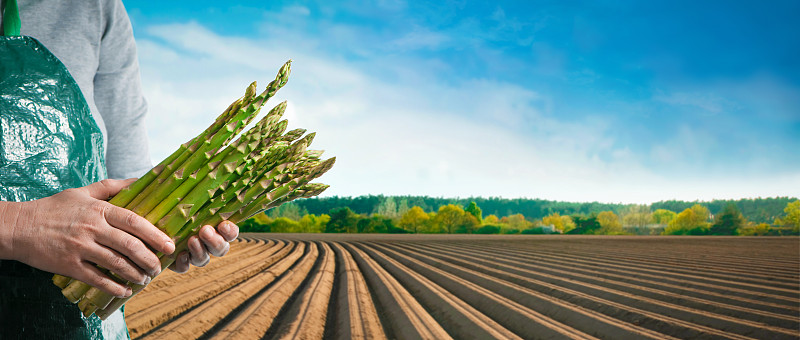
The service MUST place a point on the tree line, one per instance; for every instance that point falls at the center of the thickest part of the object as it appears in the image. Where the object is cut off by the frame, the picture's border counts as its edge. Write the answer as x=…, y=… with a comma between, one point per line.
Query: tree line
x=759, y=210
x=391, y=214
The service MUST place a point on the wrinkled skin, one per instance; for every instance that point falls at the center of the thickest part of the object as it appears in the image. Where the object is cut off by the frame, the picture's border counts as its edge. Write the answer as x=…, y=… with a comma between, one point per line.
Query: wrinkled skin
x=71, y=232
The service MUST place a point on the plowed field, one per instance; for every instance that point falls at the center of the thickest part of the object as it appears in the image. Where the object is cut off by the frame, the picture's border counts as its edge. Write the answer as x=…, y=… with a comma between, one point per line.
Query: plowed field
x=315, y=286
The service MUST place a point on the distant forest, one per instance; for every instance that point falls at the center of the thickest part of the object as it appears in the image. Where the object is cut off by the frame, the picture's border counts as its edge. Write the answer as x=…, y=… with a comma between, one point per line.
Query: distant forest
x=758, y=210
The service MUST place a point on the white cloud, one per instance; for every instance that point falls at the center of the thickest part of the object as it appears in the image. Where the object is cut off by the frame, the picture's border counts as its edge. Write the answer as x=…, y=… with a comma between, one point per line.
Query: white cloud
x=395, y=5
x=709, y=102
x=420, y=38
x=297, y=10
x=408, y=134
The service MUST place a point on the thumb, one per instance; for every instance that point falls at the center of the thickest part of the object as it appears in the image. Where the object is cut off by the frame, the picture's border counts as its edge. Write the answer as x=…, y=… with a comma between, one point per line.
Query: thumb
x=107, y=188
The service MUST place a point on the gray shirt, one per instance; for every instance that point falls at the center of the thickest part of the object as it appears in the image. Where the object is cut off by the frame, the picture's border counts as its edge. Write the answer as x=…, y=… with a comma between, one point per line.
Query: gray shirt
x=94, y=39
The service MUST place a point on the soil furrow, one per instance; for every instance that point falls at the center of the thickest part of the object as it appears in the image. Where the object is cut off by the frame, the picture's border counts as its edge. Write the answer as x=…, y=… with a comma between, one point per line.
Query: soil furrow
x=755, y=280
x=204, y=317
x=680, y=328
x=304, y=319
x=371, y=286
x=698, y=307
x=255, y=320
x=784, y=296
x=170, y=278
x=175, y=284
x=703, y=250
x=169, y=302
x=756, y=276
x=356, y=317
x=459, y=318
x=409, y=320
x=547, y=321
x=685, y=288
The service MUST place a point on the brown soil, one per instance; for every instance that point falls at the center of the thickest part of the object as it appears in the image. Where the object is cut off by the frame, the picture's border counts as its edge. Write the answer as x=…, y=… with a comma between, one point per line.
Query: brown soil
x=325, y=286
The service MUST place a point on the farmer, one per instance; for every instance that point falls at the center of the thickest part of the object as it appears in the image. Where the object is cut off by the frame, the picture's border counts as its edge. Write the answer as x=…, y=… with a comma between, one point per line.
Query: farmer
x=71, y=114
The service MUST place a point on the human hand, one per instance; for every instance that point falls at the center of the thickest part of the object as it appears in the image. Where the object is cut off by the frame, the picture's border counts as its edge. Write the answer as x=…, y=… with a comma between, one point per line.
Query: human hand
x=208, y=241
x=71, y=232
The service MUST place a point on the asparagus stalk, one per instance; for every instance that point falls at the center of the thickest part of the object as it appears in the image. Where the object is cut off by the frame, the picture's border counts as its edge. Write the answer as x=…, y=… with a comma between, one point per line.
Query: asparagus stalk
x=75, y=290
x=61, y=281
x=180, y=213
x=209, y=176
x=213, y=141
x=142, y=187
x=211, y=216
x=209, y=179
x=236, y=209
x=222, y=165
x=192, y=164
x=216, y=139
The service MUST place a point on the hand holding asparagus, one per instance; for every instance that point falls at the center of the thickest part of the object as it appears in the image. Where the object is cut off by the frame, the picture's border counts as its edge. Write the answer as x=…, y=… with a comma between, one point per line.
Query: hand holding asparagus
x=212, y=179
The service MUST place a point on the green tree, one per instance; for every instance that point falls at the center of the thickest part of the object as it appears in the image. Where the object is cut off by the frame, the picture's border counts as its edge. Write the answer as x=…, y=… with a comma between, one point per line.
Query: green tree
x=262, y=218
x=585, y=224
x=663, y=216
x=610, y=224
x=452, y=219
x=792, y=217
x=311, y=223
x=342, y=220
x=488, y=229
x=637, y=216
x=284, y=225
x=447, y=218
x=402, y=207
x=564, y=224
x=468, y=224
x=728, y=221
x=289, y=210
x=752, y=229
x=474, y=210
x=692, y=221
x=761, y=229
x=387, y=208
x=414, y=219
x=257, y=224
x=252, y=226
x=429, y=227
x=491, y=219
x=375, y=224
x=516, y=222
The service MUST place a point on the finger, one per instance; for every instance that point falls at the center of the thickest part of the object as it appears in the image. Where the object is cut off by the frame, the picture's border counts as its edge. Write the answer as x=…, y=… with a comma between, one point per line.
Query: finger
x=107, y=188
x=133, y=248
x=94, y=277
x=198, y=252
x=181, y=264
x=213, y=241
x=228, y=230
x=136, y=225
x=117, y=264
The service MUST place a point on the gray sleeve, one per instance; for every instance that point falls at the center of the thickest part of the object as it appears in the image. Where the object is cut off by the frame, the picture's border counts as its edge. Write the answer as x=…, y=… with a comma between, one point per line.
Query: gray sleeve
x=118, y=96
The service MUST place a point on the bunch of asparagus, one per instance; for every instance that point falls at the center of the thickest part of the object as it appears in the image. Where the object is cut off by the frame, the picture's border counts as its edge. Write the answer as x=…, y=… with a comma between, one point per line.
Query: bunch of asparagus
x=210, y=179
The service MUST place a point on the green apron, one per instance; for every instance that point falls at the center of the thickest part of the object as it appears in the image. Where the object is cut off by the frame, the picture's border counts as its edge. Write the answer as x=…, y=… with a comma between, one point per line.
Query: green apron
x=49, y=142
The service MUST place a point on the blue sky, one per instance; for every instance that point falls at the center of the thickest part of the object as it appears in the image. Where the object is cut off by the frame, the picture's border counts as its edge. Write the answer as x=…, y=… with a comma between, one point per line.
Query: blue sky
x=611, y=101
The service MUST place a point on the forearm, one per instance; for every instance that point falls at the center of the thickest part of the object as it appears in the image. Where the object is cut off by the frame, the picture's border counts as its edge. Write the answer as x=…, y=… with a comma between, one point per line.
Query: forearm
x=119, y=98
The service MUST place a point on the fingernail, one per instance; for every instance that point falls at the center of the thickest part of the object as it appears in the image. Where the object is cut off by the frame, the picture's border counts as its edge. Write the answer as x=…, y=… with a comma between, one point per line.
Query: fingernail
x=169, y=247
x=128, y=292
x=147, y=280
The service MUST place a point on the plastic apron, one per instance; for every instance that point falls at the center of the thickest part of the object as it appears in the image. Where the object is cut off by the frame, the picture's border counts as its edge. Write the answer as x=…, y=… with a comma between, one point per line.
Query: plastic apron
x=49, y=142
